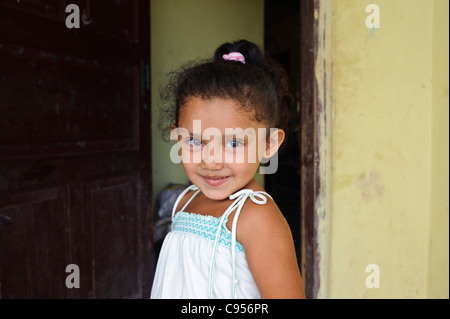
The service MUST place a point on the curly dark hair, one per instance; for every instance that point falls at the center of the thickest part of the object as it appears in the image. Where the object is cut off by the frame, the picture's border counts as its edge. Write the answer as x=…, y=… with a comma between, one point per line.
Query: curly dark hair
x=259, y=86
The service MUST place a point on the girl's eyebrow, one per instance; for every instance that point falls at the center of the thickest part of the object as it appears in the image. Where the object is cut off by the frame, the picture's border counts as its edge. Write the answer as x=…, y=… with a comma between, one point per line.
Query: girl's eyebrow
x=235, y=136
x=192, y=134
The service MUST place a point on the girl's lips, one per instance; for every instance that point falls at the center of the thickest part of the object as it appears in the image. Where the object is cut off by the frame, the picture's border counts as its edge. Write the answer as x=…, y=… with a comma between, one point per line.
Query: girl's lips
x=215, y=181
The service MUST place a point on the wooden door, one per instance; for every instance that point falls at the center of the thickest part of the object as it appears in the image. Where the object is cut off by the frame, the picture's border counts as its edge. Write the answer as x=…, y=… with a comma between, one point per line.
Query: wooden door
x=75, y=175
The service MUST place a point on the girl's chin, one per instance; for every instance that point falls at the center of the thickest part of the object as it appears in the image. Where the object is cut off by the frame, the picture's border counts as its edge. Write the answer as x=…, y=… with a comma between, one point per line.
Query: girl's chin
x=215, y=194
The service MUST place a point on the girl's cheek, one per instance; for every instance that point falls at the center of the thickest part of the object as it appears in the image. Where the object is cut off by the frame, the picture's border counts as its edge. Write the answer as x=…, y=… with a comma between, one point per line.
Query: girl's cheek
x=256, y=150
x=189, y=169
x=190, y=155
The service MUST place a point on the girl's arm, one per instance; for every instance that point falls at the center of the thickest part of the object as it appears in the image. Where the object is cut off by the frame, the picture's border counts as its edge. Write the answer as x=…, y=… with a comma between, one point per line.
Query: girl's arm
x=270, y=252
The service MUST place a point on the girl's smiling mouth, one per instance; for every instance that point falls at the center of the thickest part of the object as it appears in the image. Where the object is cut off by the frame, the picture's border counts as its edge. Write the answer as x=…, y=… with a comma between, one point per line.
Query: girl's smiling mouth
x=215, y=180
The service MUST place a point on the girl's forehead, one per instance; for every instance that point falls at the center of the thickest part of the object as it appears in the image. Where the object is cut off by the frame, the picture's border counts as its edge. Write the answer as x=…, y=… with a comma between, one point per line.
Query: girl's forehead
x=220, y=113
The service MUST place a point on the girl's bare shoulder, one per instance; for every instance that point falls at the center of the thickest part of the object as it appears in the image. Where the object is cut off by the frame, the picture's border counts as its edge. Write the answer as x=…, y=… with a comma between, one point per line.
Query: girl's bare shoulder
x=261, y=219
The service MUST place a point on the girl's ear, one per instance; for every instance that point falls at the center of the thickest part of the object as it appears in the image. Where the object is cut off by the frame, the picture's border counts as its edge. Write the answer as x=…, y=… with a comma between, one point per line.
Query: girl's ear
x=274, y=142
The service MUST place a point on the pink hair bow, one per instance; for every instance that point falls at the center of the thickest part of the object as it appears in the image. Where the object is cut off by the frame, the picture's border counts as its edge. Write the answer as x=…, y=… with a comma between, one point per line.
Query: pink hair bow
x=234, y=56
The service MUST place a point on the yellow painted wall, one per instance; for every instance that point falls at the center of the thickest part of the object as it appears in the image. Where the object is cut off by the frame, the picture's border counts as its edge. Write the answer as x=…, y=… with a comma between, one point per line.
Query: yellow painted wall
x=438, y=278
x=389, y=151
x=184, y=30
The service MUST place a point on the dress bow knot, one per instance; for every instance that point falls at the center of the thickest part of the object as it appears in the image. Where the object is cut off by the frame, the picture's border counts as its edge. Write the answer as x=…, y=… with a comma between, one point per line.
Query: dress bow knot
x=256, y=196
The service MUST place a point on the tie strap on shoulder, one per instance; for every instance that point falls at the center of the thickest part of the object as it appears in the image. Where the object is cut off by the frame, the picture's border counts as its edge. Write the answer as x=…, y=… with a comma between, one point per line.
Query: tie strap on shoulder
x=187, y=190
x=258, y=197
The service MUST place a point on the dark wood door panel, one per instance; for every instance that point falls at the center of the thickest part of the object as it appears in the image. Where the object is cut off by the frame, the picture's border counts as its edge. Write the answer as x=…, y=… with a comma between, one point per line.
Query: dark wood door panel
x=30, y=173
x=116, y=18
x=68, y=104
x=52, y=9
x=116, y=243
x=98, y=39
x=35, y=248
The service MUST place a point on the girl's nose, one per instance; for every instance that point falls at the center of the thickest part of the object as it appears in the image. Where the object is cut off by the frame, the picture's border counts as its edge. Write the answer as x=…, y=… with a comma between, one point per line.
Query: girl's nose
x=212, y=157
x=212, y=166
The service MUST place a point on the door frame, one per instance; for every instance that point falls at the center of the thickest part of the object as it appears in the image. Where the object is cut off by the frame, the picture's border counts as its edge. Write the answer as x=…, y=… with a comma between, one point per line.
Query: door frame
x=315, y=46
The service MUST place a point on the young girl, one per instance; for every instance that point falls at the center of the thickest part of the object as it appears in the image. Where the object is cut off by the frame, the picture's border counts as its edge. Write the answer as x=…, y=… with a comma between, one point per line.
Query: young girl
x=228, y=238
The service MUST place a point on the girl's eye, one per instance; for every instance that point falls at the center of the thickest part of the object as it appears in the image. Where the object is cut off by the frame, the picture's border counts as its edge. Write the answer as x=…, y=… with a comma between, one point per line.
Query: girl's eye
x=194, y=142
x=234, y=143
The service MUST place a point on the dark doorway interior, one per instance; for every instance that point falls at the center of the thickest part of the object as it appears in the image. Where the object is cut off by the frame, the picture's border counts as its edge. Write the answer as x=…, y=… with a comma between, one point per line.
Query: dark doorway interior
x=282, y=43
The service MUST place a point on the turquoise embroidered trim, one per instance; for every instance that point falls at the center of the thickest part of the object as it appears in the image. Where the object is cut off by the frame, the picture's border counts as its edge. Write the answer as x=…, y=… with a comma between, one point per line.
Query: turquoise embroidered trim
x=205, y=226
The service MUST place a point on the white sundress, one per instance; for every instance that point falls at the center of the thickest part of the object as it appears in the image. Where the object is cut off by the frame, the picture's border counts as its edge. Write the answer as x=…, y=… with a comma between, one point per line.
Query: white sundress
x=201, y=258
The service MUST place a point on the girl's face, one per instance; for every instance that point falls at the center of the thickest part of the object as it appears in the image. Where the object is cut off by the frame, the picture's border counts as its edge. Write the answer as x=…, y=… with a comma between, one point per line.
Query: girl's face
x=221, y=145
